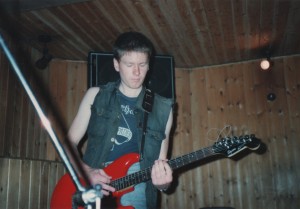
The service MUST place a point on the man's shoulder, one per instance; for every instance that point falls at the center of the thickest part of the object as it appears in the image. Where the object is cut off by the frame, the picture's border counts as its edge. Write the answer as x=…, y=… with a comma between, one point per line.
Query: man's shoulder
x=93, y=90
x=163, y=100
x=109, y=86
x=91, y=94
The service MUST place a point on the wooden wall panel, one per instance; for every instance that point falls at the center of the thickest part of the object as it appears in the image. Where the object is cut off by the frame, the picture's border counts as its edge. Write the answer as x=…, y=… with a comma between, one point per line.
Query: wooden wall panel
x=4, y=75
x=182, y=132
x=199, y=108
x=27, y=184
x=22, y=133
x=61, y=78
x=236, y=95
x=291, y=78
x=3, y=183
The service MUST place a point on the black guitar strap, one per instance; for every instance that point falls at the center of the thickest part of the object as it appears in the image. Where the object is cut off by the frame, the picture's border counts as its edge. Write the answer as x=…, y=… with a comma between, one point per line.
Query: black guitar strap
x=147, y=106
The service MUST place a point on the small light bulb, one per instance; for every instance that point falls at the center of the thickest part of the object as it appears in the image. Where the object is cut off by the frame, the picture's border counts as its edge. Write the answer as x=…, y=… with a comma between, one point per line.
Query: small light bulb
x=265, y=64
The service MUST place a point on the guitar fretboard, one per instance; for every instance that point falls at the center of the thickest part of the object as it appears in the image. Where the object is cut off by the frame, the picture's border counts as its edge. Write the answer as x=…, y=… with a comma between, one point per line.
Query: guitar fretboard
x=145, y=175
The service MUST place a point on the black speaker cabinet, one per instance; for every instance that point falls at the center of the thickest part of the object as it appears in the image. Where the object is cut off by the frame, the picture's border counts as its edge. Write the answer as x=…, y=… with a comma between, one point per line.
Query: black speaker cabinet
x=160, y=78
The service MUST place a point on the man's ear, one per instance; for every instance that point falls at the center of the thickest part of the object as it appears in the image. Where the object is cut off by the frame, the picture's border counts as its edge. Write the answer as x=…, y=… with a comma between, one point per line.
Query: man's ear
x=116, y=65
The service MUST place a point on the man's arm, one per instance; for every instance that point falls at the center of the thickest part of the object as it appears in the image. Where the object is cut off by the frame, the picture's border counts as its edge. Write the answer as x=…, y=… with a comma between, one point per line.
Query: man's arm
x=165, y=143
x=162, y=174
x=76, y=132
x=79, y=125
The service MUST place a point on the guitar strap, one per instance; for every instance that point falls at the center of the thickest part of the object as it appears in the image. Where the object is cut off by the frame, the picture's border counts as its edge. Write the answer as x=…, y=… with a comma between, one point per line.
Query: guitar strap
x=147, y=106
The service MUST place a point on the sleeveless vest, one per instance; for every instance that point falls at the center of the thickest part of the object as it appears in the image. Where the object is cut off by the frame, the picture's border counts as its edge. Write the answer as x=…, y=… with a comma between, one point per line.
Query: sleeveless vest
x=104, y=123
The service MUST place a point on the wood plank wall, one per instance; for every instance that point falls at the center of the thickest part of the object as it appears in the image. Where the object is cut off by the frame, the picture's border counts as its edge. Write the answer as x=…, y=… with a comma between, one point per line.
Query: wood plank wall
x=29, y=164
x=58, y=90
x=232, y=100
x=28, y=184
x=229, y=99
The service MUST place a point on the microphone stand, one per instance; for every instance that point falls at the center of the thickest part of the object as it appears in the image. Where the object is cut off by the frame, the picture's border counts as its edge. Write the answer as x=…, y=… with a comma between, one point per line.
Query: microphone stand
x=83, y=195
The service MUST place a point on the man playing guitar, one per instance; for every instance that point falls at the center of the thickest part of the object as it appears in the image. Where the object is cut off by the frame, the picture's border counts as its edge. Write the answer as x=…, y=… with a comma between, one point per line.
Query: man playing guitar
x=113, y=117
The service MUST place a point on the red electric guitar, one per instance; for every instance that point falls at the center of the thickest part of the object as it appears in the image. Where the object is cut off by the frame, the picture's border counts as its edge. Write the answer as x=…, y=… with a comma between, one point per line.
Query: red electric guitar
x=65, y=188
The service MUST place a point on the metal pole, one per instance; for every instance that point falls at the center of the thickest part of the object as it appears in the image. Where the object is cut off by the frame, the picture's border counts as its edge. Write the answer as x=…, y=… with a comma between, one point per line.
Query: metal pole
x=43, y=118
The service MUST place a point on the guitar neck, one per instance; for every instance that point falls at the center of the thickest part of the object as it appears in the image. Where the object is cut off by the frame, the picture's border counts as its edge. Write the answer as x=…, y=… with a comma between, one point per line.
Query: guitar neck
x=191, y=157
x=145, y=175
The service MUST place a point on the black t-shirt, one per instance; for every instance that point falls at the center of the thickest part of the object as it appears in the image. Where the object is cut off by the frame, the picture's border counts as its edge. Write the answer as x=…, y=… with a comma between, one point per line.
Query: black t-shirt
x=126, y=139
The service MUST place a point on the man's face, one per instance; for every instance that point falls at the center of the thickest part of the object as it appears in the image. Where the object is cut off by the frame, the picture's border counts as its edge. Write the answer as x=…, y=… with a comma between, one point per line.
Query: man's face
x=133, y=67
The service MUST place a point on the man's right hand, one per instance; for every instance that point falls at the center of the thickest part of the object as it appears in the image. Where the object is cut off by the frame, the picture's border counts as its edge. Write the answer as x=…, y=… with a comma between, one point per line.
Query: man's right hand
x=98, y=176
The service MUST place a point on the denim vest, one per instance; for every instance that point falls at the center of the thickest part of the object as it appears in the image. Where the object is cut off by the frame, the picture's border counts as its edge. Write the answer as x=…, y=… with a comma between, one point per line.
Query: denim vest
x=104, y=123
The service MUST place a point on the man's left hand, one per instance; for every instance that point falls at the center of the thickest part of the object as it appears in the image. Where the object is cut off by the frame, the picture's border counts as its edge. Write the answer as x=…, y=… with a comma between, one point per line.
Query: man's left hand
x=161, y=174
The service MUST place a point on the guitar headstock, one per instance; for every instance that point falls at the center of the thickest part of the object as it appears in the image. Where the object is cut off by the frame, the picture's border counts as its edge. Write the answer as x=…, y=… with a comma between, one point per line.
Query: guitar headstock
x=230, y=146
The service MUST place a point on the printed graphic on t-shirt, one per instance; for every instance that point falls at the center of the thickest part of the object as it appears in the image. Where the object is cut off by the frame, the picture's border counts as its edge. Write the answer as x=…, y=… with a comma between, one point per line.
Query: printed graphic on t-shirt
x=124, y=134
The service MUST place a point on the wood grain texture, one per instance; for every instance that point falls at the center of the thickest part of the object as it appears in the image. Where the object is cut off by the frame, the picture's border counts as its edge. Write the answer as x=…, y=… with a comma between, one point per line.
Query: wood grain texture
x=196, y=32
x=27, y=184
x=227, y=100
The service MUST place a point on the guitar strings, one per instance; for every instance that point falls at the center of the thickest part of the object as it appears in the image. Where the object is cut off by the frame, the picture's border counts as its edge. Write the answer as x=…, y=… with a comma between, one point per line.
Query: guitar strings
x=219, y=133
x=144, y=175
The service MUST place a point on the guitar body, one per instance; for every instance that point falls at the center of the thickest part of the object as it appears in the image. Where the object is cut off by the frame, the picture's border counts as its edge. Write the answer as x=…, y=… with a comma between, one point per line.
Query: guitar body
x=123, y=182
x=65, y=188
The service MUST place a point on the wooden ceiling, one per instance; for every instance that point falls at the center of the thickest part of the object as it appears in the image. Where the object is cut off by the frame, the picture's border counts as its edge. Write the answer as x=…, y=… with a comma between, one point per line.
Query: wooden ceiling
x=196, y=32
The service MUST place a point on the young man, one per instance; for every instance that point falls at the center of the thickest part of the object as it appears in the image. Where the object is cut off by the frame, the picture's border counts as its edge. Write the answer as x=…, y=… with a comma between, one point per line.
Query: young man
x=112, y=115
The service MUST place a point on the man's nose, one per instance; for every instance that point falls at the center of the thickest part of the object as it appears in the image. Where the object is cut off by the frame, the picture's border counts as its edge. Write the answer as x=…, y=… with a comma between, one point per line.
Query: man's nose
x=136, y=70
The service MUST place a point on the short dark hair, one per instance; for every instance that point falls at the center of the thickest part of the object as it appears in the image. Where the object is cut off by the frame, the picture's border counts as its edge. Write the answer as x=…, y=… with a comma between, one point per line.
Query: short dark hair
x=132, y=42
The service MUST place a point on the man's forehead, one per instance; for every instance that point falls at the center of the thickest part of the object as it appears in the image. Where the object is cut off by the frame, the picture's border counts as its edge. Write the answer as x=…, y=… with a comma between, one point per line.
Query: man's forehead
x=135, y=56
